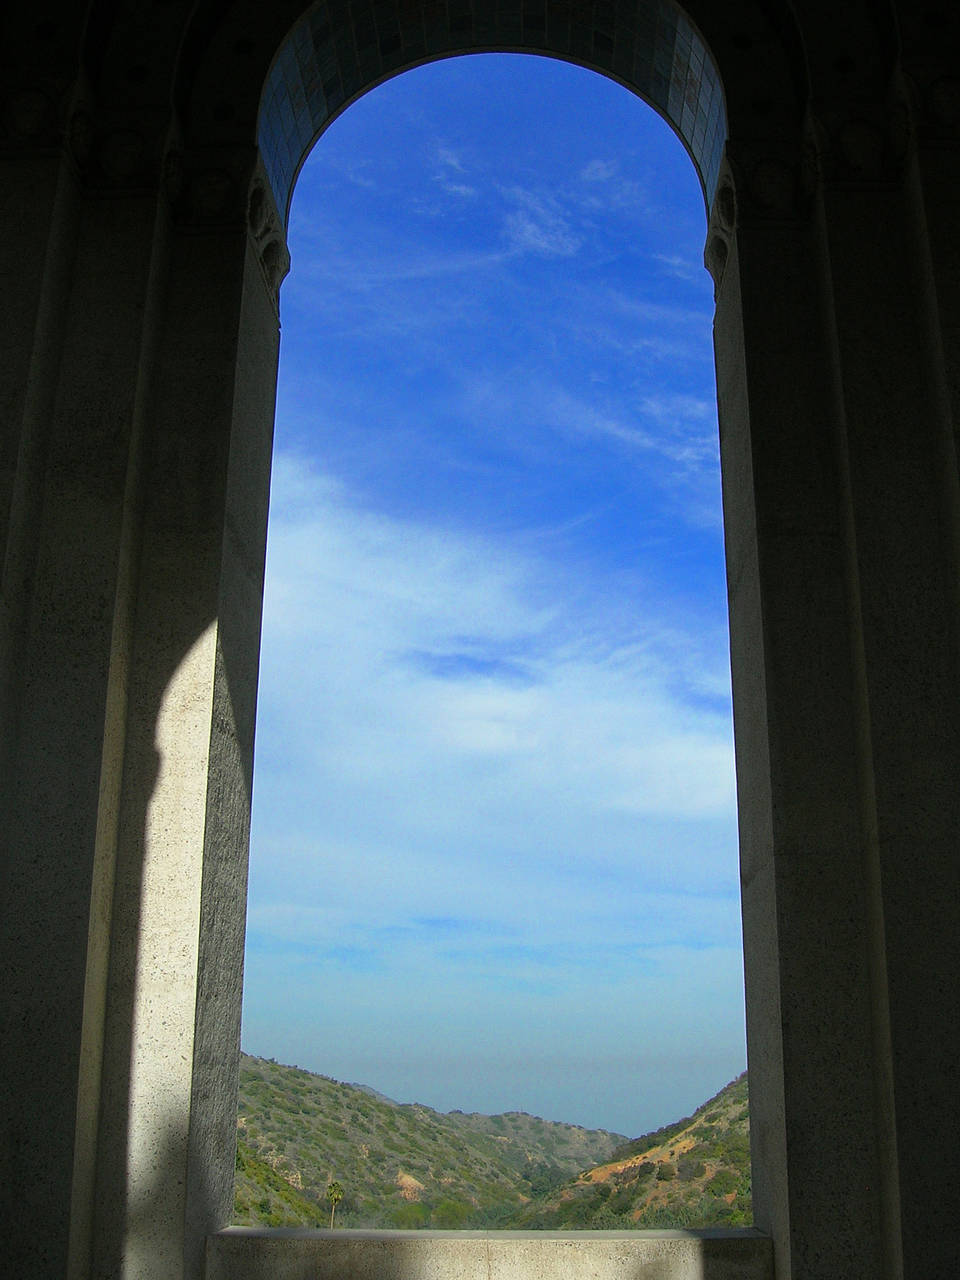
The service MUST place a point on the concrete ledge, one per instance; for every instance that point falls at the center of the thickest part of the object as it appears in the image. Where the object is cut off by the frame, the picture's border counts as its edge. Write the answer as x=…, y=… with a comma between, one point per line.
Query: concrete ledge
x=245, y=1253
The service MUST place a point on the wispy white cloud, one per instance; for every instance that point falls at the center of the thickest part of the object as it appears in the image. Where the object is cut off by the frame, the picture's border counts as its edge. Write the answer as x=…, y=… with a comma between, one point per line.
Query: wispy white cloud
x=611, y=722
x=603, y=190
x=370, y=270
x=668, y=439
x=448, y=158
x=598, y=171
x=451, y=176
x=537, y=223
x=679, y=267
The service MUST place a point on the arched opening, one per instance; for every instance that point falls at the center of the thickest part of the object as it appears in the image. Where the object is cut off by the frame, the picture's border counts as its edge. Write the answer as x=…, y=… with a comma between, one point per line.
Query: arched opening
x=322, y=66
x=602, y=517
x=137, y=396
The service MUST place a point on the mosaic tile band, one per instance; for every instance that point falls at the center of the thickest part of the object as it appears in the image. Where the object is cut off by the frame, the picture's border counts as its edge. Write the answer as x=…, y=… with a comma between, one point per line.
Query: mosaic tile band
x=339, y=50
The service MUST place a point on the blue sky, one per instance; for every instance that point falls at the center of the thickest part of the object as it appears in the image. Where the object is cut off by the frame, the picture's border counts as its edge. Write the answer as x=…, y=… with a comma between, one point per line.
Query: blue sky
x=494, y=854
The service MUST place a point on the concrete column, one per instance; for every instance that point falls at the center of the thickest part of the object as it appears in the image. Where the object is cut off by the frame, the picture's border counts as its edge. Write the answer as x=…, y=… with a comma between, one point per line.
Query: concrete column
x=906, y=520
x=805, y=876
x=147, y=341
x=69, y=526
x=841, y=525
x=167, y=1130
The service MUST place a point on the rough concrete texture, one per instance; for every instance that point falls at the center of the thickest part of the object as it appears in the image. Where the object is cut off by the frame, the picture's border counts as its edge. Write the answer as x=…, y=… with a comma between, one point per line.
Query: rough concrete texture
x=245, y=1254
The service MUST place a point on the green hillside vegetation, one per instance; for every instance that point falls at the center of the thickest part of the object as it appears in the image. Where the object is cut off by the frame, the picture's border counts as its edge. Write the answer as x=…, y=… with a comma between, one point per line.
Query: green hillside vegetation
x=401, y=1165
x=265, y=1198
x=695, y=1173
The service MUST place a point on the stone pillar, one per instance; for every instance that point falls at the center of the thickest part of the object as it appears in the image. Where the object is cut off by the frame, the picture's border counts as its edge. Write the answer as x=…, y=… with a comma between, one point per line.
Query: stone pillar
x=803, y=878
x=840, y=517
x=132, y=585
x=935, y=944
x=172, y=1029
x=75, y=429
x=889, y=309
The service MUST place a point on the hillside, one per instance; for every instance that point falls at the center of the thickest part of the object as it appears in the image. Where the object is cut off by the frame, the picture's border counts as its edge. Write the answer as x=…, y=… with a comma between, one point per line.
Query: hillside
x=405, y=1165
x=694, y=1173
x=401, y=1165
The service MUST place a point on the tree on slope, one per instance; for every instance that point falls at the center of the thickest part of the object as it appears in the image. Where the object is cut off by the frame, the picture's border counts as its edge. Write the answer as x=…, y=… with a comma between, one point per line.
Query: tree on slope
x=334, y=1195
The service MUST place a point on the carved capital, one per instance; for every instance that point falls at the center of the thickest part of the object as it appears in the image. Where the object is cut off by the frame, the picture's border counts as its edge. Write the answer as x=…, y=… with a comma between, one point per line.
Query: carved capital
x=118, y=152
x=773, y=182
x=266, y=230
x=214, y=189
x=209, y=186
x=761, y=183
x=867, y=143
x=721, y=228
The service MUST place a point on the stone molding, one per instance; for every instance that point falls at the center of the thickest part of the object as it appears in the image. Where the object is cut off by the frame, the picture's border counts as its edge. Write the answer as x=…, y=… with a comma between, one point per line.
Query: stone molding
x=839, y=145
x=757, y=186
x=216, y=189
x=869, y=143
x=141, y=153
x=334, y=54
x=266, y=229
x=721, y=227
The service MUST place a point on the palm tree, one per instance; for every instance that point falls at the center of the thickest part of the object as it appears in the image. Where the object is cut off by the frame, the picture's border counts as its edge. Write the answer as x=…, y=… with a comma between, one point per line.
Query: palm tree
x=334, y=1195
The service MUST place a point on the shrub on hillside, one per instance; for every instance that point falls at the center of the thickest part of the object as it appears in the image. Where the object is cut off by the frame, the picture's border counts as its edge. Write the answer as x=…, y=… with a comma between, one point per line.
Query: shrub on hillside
x=722, y=1183
x=623, y=1201
x=450, y=1214
x=409, y=1217
x=607, y=1219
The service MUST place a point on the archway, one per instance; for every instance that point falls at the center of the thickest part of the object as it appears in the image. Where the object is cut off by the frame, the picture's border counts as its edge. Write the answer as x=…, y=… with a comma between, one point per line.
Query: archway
x=143, y=259
x=320, y=70
x=585, y=344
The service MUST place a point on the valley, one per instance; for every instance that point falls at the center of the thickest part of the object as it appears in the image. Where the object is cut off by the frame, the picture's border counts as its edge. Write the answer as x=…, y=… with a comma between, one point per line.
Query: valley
x=403, y=1165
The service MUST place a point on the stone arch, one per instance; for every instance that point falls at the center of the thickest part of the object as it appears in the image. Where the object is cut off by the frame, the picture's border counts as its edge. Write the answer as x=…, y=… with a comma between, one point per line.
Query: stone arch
x=319, y=70
x=136, y=397
x=316, y=58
